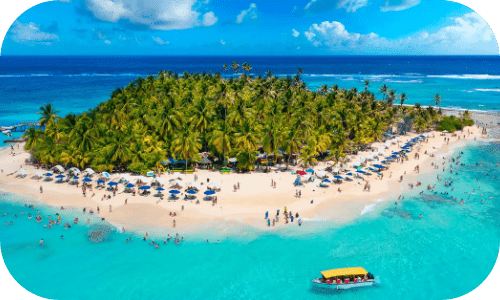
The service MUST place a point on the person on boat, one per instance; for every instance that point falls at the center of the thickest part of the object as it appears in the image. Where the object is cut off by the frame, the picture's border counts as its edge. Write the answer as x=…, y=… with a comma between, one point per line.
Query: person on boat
x=365, y=278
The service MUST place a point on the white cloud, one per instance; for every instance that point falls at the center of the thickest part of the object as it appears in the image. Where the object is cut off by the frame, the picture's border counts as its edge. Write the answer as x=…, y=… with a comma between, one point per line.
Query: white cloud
x=309, y=4
x=101, y=36
x=349, y=5
x=31, y=34
x=295, y=33
x=400, y=5
x=469, y=35
x=209, y=19
x=250, y=13
x=352, y=5
x=154, y=14
x=159, y=41
x=222, y=42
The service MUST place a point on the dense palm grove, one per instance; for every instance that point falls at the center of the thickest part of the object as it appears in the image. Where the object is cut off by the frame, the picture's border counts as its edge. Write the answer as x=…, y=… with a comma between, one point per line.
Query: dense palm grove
x=172, y=116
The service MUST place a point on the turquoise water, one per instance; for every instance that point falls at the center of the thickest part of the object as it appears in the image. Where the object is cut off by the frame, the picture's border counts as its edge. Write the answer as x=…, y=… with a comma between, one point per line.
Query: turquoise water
x=443, y=255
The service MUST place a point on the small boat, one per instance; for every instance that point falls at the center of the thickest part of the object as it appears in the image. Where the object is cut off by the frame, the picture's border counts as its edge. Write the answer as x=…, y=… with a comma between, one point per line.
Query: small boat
x=343, y=279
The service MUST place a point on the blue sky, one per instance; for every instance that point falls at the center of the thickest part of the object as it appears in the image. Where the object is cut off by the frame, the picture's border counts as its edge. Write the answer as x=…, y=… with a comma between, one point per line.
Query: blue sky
x=228, y=27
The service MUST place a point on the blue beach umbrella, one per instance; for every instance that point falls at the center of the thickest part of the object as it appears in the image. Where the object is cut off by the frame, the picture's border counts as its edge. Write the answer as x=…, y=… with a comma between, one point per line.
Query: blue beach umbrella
x=60, y=176
x=379, y=174
x=86, y=179
x=349, y=174
x=191, y=192
x=326, y=180
x=145, y=187
x=175, y=192
x=378, y=166
x=130, y=185
x=209, y=192
x=112, y=183
x=394, y=156
x=310, y=170
x=76, y=177
x=407, y=151
x=361, y=172
x=98, y=180
x=338, y=177
x=49, y=174
x=160, y=189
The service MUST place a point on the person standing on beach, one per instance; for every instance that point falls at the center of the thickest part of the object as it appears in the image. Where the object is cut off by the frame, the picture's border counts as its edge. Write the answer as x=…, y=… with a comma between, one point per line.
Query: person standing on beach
x=110, y=208
x=41, y=189
x=174, y=223
x=268, y=223
x=267, y=215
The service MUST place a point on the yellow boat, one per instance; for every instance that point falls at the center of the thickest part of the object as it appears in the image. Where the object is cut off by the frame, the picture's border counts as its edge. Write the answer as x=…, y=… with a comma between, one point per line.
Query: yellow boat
x=344, y=278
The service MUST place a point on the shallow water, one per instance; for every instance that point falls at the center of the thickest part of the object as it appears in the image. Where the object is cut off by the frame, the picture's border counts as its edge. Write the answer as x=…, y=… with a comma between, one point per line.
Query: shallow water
x=445, y=254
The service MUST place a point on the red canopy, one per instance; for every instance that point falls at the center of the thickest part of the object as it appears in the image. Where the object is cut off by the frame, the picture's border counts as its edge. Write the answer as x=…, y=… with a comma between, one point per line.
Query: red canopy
x=301, y=173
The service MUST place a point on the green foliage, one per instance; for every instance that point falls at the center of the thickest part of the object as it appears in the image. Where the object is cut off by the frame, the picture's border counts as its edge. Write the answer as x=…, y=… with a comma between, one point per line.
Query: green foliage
x=468, y=122
x=450, y=123
x=155, y=118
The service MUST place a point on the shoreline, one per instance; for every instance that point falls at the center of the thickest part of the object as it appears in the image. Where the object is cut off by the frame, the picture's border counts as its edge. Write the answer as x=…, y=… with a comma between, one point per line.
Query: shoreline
x=244, y=209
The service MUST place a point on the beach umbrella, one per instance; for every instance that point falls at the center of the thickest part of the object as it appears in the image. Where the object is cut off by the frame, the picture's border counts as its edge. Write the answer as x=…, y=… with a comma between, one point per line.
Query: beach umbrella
x=215, y=184
x=335, y=170
x=98, y=180
x=321, y=174
x=378, y=166
x=338, y=177
x=301, y=173
x=310, y=170
x=145, y=187
x=327, y=181
x=191, y=192
x=232, y=160
x=195, y=185
x=38, y=174
x=394, y=156
x=22, y=171
x=379, y=174
x=361, y=172
x=86, y=179
x=175, y=192
x=105, y=174
x=407, y=151
x=60, y=176
x=209, y=192
x=130, y=185
x=112, y=183
x=76, y=177
x=49, y=174
x=89, y=171
x=58, y=168
x=349, y=174
x=160, y=189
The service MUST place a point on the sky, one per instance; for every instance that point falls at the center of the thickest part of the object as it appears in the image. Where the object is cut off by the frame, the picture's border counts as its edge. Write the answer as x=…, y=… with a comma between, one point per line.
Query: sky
x=239, y=27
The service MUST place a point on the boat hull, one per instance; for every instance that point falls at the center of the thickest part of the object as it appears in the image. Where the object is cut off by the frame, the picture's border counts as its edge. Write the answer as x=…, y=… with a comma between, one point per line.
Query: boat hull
x=343, y=286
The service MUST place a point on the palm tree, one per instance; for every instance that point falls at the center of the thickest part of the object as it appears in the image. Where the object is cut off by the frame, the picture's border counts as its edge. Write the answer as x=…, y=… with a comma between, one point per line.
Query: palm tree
x=383, y=89
x=367, y=84
x=235, y=66
x=49, y=115
x=402, y=98
x=437, y=99
x=225, y=67
x=33, y=137
x=186, y=143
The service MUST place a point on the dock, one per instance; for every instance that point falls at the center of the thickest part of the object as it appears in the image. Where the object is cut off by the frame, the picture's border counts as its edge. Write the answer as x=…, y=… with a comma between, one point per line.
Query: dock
x=20, y=127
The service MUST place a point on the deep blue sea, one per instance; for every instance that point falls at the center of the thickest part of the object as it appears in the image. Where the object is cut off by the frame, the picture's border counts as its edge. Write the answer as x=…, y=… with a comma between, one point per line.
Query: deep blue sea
x=75, y=84
x=443, y=255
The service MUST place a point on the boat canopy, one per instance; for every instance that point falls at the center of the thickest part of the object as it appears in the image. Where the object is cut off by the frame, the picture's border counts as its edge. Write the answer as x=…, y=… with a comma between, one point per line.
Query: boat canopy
x=344, y=271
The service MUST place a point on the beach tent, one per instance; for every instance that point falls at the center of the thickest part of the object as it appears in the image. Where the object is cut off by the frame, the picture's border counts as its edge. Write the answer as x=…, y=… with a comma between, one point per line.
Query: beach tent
x=232, y=160
x=301, y=173
x=209, y=192
x=195, y=185
x=89, y=171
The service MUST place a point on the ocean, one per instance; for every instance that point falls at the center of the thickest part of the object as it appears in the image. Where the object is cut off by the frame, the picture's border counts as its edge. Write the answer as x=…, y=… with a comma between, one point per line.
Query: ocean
x=74, y=84
x=445, y=254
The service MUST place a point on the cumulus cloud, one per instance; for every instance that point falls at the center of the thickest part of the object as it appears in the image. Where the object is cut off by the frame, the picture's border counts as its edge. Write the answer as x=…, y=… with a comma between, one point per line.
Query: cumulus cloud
x=160, y=41
x=209, y=19
x=154, y=14
x=348, y=5
x=31, y=34
x=98, y=35
x=250, y=13
x=295, y=33
x=469, y=34
x=222, y=42
x=397, y=5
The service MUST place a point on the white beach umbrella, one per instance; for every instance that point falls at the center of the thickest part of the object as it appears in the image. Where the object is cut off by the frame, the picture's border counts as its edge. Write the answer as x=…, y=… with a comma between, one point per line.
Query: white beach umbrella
x=22, y=171
x=125, y=176
x=159, y=180
x=381, y=149
x=89, y=171
x=321, y=174
x=106, y=174
x=58, y=168
x=38, y=174
x=179, y=175
x=232, y=160
x=305, y=177
x=214, y=184
x=335, y=170
x=195, y=185
x=179, y=182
